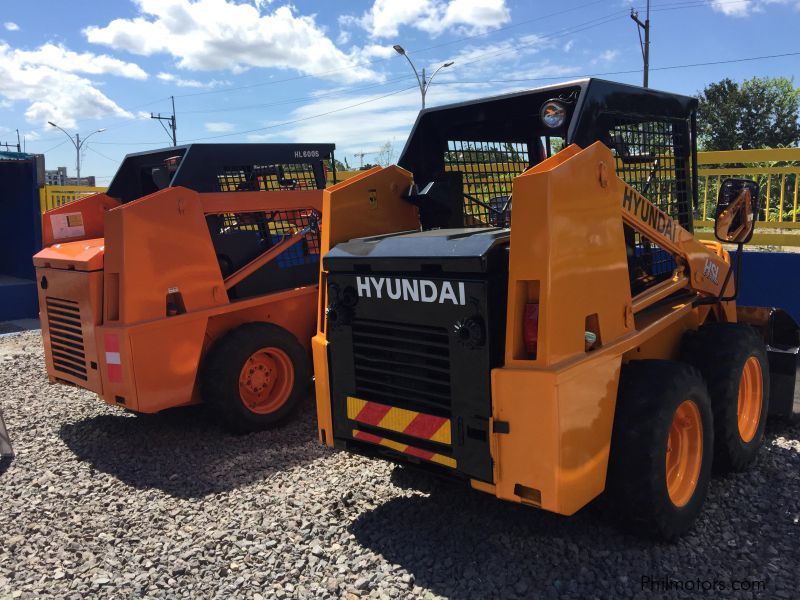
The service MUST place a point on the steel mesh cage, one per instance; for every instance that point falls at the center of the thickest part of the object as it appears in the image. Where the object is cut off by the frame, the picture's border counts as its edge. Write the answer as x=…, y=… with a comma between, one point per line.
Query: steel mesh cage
x=267, y=178
x=653, y=158
x=487, y=170
x=272, y=227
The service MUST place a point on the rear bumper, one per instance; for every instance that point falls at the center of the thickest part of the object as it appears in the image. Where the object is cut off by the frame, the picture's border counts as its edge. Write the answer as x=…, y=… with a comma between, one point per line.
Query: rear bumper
x=78, y=350
x=550, y=432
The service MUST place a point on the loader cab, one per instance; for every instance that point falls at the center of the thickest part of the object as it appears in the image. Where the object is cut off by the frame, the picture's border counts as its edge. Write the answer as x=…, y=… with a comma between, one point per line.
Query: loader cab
x=240, y=237
x=222, y=168
x=465, y=156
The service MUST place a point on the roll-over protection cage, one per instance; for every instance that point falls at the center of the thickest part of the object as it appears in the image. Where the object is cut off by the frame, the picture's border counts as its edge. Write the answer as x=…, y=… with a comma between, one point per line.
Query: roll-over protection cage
x=239, y=237
x=465, y=156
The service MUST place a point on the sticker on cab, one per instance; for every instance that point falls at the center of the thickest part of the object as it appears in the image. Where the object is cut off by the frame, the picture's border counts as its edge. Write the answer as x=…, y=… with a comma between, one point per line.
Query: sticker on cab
x=67, y=225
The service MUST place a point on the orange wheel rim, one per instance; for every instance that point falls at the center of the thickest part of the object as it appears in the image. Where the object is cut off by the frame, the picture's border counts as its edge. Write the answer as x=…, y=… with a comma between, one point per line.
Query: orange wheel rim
x=751, y=392
x=684, y=452
x=266, y=380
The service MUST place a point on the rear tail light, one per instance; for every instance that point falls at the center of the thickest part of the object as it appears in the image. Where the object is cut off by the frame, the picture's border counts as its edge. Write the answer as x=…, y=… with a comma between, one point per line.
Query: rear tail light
x=530, y=328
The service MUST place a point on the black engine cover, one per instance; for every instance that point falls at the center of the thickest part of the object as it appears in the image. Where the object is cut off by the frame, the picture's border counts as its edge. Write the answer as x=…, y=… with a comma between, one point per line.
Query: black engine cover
x=417, y=321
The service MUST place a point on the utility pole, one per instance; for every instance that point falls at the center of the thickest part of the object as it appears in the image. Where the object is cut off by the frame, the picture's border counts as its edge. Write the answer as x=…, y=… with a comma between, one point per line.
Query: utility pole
x=173, y=126
x=645, y=45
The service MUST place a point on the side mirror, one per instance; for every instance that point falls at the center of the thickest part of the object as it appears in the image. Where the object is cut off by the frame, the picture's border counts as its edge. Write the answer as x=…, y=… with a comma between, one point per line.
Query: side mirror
x=737, y=206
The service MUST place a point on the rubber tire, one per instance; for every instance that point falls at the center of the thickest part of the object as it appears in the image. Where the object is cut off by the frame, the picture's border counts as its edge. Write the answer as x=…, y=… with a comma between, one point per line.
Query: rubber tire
x=719, y=351
x=219, y=379
x=636, y=486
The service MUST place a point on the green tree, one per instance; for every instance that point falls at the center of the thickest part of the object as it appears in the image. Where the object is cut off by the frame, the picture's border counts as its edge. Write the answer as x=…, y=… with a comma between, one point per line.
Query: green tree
x=340, y=166
x=761, y=112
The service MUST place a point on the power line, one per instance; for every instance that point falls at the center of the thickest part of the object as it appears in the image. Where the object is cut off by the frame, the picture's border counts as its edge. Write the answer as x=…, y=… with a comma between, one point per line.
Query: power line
x=53, y=148
x=507, y=27
x=372, y=61
x=539, y=39
x=342, y=92
x=114, y=160
x=562, y=33
x=481, y=82
x=567, y=31
x=626, y=72
x=335, y=110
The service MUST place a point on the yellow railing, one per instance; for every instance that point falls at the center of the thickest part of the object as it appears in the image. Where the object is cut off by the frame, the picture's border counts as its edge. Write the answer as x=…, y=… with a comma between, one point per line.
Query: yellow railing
x=777, y=172
x=53, y=196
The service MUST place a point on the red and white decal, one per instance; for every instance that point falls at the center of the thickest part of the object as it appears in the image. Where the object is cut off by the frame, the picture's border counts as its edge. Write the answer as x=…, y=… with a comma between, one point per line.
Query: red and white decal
x=113, y=360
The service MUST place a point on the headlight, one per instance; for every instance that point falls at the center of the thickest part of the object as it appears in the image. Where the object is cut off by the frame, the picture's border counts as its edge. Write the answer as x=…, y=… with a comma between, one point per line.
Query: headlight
x=553, y=114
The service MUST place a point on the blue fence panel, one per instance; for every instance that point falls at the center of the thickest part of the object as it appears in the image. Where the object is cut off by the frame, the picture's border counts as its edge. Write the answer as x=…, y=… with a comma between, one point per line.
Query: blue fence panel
x=20, y=236
x=771, y=279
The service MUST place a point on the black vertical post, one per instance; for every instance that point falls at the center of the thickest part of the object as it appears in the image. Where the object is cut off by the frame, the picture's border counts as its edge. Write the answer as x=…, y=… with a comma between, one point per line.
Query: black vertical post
x=645, y=45
x=175, y=125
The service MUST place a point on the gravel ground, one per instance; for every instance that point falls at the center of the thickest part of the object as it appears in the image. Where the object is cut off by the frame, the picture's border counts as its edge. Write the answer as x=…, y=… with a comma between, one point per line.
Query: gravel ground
x=101, y=503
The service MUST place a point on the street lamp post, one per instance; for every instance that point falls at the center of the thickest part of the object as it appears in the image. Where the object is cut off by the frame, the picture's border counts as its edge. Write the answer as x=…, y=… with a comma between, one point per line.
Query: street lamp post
x=78, y=143
x=423, y=83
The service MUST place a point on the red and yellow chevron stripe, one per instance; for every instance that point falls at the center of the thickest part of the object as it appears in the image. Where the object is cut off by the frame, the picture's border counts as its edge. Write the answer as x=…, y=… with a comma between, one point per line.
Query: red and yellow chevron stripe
x=409, y=422
x=404, y=448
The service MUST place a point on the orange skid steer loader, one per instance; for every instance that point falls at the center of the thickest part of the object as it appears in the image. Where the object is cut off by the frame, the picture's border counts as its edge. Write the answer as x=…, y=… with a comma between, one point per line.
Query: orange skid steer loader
x=193, y=278
x=586, y=342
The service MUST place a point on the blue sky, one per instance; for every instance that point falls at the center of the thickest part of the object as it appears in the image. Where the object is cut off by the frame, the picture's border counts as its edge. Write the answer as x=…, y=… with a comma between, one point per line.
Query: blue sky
x=316, y=71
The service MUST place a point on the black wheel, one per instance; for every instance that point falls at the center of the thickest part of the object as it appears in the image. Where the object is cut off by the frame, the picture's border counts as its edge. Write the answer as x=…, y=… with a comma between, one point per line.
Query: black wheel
x=732, y=358
x=661, y=448
x=255, y=376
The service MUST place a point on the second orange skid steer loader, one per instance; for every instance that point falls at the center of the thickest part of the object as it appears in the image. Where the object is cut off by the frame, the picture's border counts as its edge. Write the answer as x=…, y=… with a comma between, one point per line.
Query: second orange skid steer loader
x=193, y=278
x=585, y=342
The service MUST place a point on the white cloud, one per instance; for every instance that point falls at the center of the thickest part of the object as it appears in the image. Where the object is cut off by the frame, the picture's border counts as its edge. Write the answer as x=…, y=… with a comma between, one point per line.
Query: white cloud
x=11, y=26
x=189, y=83
x=385, y=17
x=261, y=137
x=569, y=45
x=219, y=127
x=738, y=8
x=48, y=80
x=58, y=57
x=491, y=57
x=743, y=8
x=605, y=57
x=208, y=35
x=377, y=51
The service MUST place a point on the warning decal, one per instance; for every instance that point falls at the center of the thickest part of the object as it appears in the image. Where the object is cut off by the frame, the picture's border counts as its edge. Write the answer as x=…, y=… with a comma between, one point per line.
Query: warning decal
x=67, y=225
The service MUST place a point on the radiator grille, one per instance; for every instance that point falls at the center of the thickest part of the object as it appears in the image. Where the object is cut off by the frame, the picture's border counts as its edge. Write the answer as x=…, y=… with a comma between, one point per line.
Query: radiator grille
x=404, y=365
x=66, y=337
